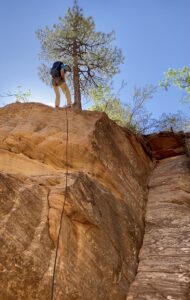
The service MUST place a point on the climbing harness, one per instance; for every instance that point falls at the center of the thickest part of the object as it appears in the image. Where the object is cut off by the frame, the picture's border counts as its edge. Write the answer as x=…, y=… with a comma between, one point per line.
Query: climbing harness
x=62, y=212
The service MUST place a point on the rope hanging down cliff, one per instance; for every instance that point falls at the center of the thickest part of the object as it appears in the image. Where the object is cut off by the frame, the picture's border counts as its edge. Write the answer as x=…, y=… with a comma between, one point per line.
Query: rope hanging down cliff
x=62, y=213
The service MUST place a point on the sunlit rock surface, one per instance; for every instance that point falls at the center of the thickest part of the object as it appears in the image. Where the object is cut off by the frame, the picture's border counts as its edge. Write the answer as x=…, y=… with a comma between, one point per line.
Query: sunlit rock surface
x=103, y=223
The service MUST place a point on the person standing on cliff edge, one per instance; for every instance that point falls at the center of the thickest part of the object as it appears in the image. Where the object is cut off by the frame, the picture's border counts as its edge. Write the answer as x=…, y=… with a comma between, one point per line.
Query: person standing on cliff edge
x=58, y=72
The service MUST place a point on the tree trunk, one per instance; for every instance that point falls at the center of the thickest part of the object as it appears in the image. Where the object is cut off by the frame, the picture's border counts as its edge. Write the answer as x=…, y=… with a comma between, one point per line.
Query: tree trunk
x=76, y=79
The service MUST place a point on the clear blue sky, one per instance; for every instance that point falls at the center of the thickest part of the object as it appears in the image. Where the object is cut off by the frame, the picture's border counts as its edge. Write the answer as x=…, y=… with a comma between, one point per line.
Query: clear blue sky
x=153, y=34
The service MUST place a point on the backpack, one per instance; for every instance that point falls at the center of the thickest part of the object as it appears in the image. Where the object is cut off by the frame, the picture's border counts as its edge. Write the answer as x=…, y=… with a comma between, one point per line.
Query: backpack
x=56, y=68
x=67, y=68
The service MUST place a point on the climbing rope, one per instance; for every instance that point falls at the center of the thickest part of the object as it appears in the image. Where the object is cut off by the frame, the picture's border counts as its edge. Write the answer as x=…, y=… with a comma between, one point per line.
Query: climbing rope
x=62, y=213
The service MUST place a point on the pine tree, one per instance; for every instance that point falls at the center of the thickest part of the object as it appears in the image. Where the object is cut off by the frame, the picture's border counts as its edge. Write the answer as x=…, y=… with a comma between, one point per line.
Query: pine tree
x=90, y=53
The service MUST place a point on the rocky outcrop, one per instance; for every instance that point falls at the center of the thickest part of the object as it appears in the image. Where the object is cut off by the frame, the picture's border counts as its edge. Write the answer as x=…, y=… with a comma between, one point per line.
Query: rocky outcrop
x=164, y=267
x=104, y=195
x=167, y=144
x=103, y=222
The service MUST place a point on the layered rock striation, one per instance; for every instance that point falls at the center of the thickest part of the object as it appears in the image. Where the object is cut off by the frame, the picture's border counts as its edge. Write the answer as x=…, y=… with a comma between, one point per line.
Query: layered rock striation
x=164, y=260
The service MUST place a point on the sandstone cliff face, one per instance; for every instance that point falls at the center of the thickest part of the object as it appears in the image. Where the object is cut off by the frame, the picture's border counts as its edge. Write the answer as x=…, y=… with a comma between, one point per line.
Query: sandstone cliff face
x=164, y=268
x=103, y=222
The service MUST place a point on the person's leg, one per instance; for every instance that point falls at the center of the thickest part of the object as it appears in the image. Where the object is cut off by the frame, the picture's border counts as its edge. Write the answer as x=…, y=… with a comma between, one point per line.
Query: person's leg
x=66, y=91
x=57, y=93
